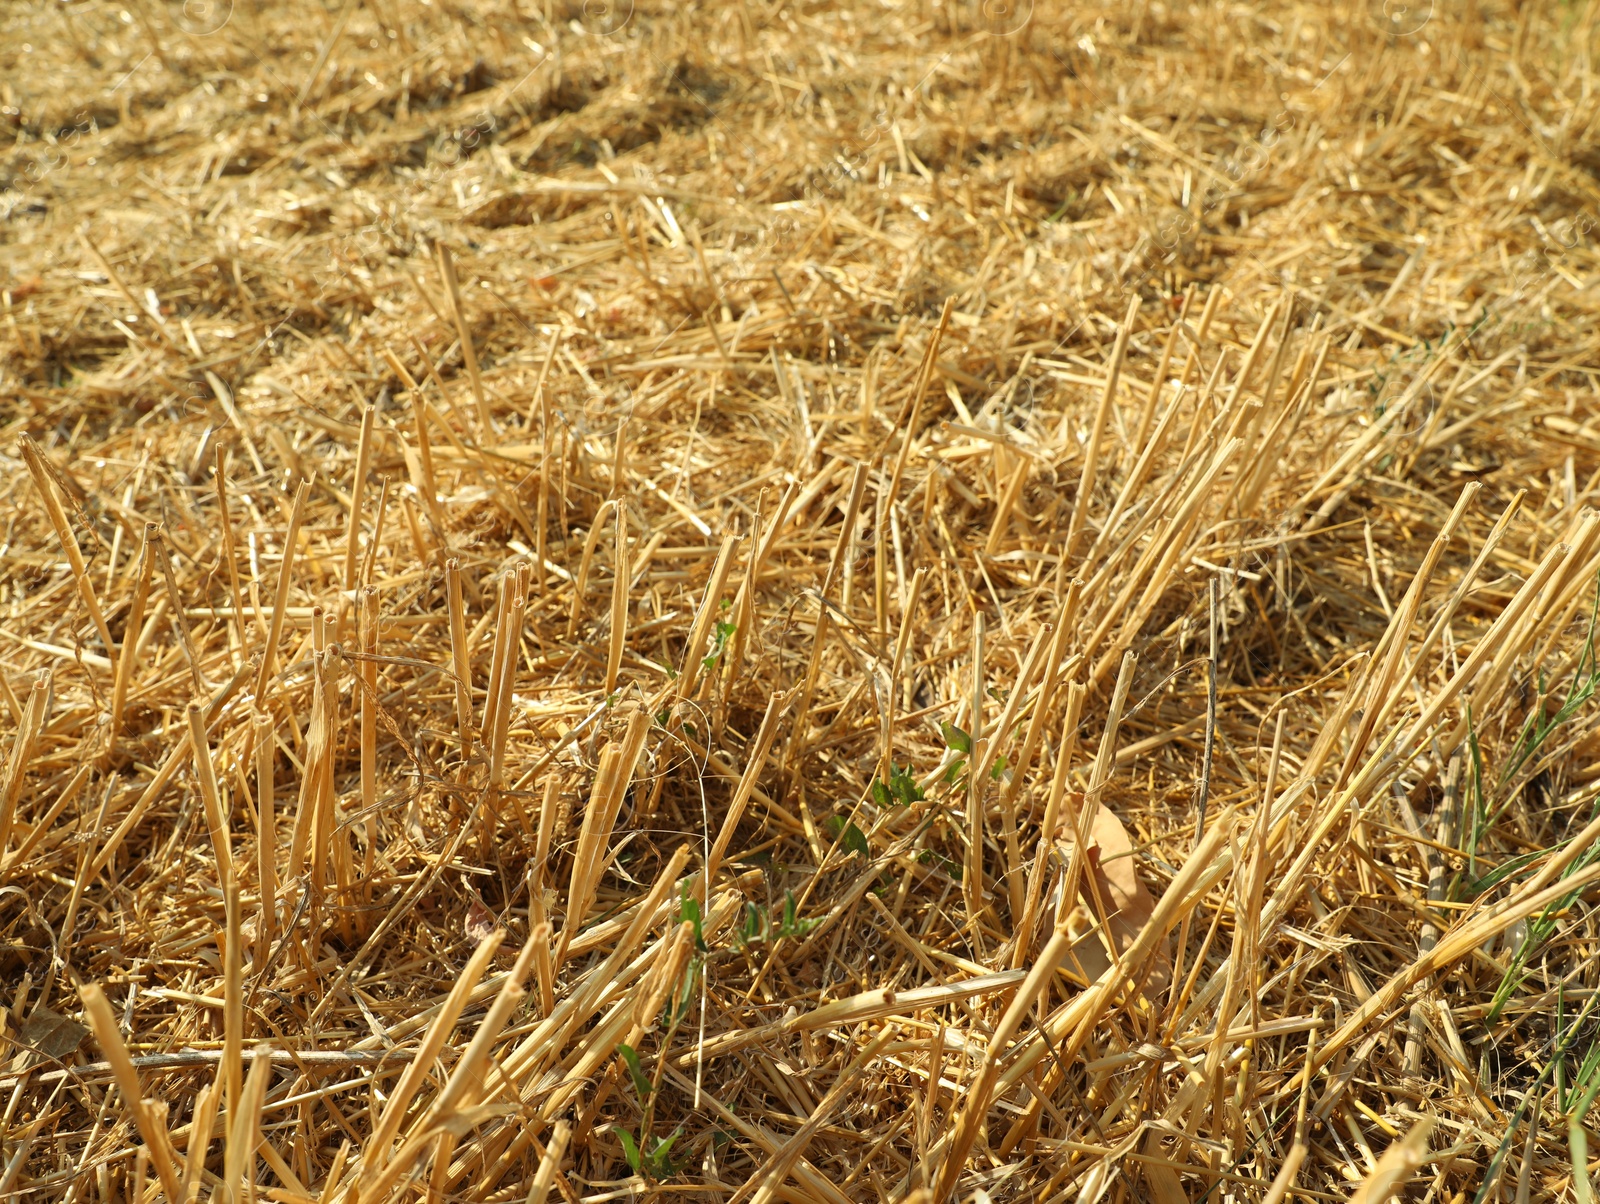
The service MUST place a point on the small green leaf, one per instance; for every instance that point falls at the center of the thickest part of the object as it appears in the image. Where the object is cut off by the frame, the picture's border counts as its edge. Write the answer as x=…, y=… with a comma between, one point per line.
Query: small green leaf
x=689, y=913
x=954, y=738
x=630, y=1150
x=719, y=644
x=691, y=979
x=661, y=1165
x=641, y=1081
x=1492, y=879
x=954, y=772
x=1000, y=764
x=792, y=925
x=901, y=790
x=904, y=786
x=852, y=838
x=750, y=933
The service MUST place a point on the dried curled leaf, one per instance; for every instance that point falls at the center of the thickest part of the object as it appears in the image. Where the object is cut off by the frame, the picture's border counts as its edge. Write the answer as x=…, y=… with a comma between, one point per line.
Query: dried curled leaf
x=51, y=1034
x=480, y=923
x=1111, y=888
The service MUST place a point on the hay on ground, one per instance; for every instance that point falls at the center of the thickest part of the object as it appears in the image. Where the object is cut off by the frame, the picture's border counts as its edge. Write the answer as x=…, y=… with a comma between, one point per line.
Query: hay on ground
x=804, y=601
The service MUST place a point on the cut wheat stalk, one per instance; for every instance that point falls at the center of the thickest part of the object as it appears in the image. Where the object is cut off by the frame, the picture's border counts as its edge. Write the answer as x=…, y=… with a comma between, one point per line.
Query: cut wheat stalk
x=619, y=600
x=99, y=1015
x=973, y=880
x=544, y=1178
x=42, y=475
x=617, y=764
x=1055, y=667
x=765, y=736
x=1158, y=382
x=1392, y=646
x=232, y=951
x=547, y=1041
x=744, y=602
x=265, y=735
x=1089, y=477
x=581, y=581
x=168, y=769
x=912, y=411
x=163, y=560
x=1089, y=806
x=285, y=580
x=1048, y=827
x=22, y=750
x=244, y=1135
x=230, y=555
x=210, y=796
x=421, y=1065
x=502, y=653
x=460, y=659
x=464, y=1089
x=694, y=653
x=504, y=683
x=447, y=272
x=312, y=827
x=902, y=641
x=201, y=1129
x=425, y=481
x=358, y=485
x=978, y=1094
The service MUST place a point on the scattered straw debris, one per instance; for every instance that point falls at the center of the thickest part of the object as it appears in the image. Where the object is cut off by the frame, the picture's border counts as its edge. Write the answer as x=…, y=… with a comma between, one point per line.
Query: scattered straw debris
x=797, y=601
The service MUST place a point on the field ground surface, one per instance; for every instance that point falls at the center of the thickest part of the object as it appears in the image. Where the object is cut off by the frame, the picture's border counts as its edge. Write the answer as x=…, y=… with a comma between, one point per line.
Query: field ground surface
x=805, y=600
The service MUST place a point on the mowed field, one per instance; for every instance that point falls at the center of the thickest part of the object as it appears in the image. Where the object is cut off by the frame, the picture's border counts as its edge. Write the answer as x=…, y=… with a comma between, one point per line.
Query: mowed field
x=805, y=600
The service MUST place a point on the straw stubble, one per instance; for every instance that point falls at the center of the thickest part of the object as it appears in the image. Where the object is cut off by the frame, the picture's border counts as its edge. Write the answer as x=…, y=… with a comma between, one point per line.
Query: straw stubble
x=1253, y=551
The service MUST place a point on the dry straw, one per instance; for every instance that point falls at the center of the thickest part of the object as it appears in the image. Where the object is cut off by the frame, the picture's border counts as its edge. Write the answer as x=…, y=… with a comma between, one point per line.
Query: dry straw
x=997, y=605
